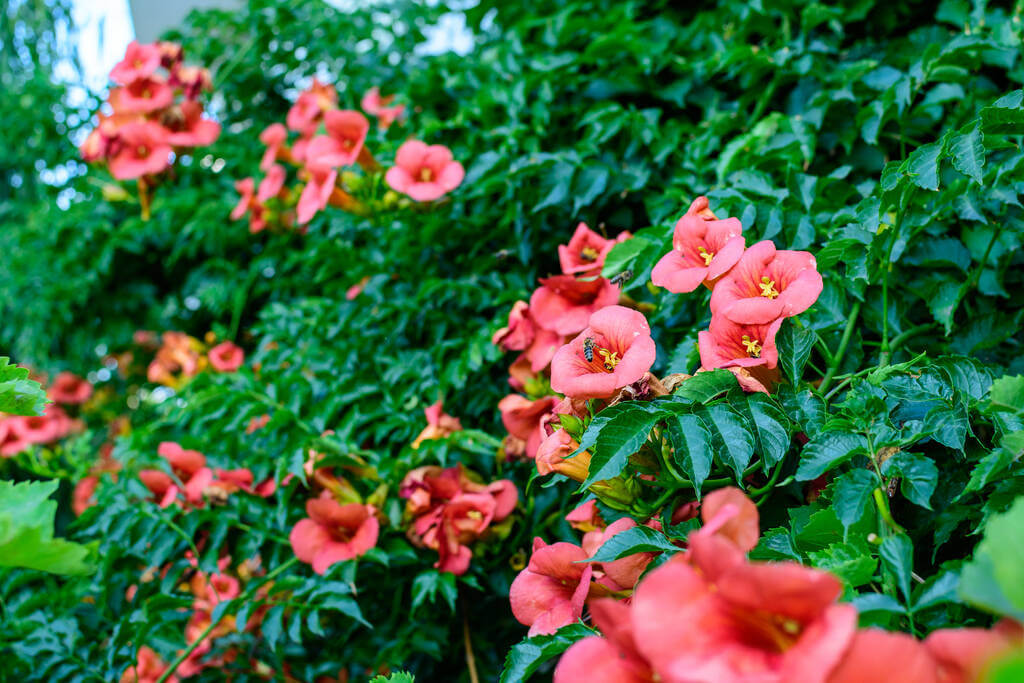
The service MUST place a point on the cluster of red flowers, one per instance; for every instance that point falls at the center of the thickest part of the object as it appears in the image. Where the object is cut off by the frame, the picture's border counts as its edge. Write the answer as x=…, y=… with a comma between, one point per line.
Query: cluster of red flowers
x=192, y=480
x=710, y=615
x=180, y=357
x=752, y=290
x=207, y=590
x=19, y=432
x=449, y=510
x=154, y=110
x=422, y=172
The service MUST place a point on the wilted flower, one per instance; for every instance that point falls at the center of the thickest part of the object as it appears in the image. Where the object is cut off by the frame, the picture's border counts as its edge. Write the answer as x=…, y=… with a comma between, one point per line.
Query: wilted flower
x=767, y=284
x=613, y=351
x=424, y=172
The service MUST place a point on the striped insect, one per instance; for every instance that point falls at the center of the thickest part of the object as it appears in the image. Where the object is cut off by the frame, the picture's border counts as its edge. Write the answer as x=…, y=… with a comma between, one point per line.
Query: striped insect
x=588, y=349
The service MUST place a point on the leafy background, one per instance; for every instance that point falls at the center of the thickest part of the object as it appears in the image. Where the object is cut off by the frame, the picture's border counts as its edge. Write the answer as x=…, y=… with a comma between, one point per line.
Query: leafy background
x=883, y=137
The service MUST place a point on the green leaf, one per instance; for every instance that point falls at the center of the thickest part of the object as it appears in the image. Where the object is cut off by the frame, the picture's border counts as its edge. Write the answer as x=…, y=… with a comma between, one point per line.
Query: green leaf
x=1006, y=668
x=691, y=443
x=397, y=677
x=1005, y=115
x=897, y=556
x=794, y=346
x=944, y=301
x=736, y=442
x=705, y=386
x=994, y=579
x=919, y=475
x=526, y=656
x=26, y=531
x=638, y=539
x=851, y=563
x=1007, y=394
x=19, y=395
x=852, y=491
x=771, y=427
x=923, y=165
x=619, y=438
x=828, y=450
x=967, y=152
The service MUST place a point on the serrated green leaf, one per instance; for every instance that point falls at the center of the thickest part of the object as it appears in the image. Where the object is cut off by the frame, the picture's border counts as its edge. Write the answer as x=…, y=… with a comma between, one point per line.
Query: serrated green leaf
x=19, y=395
x=923, y=165
x=638, y=539
x=619, y=438
x=994, y=578
x=967, y=152
x=526, y=656
x=852, y=491
x=897, y=554
x=770, y=426
x=851, y=563
x=794, y=346
x=705, y=386
x=691, y=443
x=736, y=442
x=26, y=531
x=828, y=450
x=919, y=476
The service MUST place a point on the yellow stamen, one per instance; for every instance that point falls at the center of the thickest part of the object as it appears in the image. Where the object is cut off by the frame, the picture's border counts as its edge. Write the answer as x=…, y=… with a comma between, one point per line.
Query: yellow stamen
x=146, y=94
x=141, y=151
x=589, y=254
x=768, y=288
x=611, y=358
x=475, y=514
x=706, y=255
x=752, y=346
x=426, y=175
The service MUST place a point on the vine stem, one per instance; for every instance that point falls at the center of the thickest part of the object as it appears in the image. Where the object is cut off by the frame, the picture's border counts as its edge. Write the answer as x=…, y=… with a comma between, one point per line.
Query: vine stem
x=837, y=359
x=173, y=666
x=470, y=658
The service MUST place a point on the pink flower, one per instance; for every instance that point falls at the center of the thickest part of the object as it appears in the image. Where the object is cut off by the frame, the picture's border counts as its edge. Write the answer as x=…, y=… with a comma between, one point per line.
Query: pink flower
x=273, y=136
x=140, y=61
x=439, y=424
x=614, y=658
x=962, y=654
x=729, y=344
x=189, y=128
x=520, y=331
x=246, y=189
x=624, y=571
x=550, y=592
x=333, y=532
x=142, y=96
x=555, y=454
x=703, y=250
x=765, y=622
x=316, y=193
x=373, y=103
x=523, y=419
x=346, y=133
x=52, y=425
x=190, y=469
x=355, y=290
x=424, y=172
x=309, y=108
x=614, y=351
x=143, y=150
x=767, y=284
x=226, y=357
x=586, y=251
x=585, y=517
x=69, y=388
x=147, y=669
x=272, y=184
x=564, y=303
x=11, y=442
x=876, y=655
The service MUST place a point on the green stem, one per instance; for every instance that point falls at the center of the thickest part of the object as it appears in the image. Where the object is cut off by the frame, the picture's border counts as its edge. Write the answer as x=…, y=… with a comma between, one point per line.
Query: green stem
x=976, y=273
x=884, y=512
x=899, y=339
x=214, y=622
x=837, y=359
